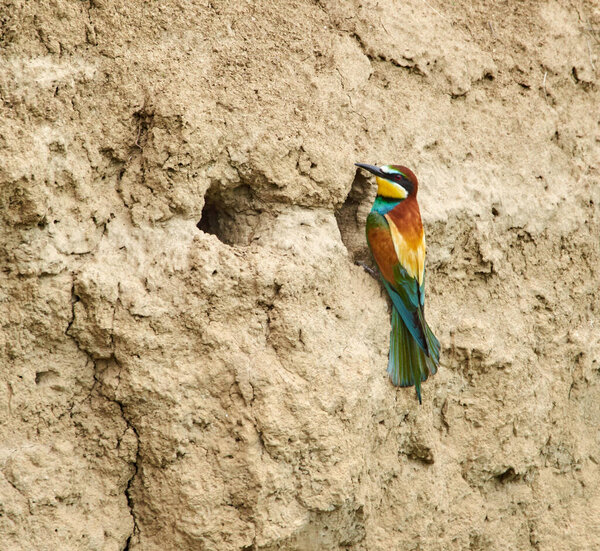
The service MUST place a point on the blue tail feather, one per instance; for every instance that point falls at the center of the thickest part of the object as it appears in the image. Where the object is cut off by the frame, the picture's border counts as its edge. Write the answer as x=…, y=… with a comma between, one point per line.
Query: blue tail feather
x=410, y=317
x=408, y=364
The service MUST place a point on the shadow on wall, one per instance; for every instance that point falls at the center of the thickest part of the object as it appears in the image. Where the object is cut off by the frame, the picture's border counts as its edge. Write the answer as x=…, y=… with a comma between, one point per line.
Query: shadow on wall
x=352, y=216
x=213, y=220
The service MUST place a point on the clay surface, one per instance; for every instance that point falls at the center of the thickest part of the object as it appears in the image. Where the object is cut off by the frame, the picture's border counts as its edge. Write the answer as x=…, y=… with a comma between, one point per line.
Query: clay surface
x=190, y=356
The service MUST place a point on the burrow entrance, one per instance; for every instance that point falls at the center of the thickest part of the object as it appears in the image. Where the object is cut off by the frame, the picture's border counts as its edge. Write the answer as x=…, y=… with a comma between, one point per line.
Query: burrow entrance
x=352, y=216
x=230, y=215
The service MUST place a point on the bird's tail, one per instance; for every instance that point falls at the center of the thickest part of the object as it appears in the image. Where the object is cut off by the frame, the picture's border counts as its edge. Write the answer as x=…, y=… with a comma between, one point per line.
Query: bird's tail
x=408, y=364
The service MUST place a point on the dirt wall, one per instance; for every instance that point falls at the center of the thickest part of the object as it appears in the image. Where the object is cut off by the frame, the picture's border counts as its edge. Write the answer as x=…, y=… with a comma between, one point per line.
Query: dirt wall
x=191, y=358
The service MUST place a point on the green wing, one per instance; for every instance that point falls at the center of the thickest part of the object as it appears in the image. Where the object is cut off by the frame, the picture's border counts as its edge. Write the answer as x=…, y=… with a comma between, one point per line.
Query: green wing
x=408, y=298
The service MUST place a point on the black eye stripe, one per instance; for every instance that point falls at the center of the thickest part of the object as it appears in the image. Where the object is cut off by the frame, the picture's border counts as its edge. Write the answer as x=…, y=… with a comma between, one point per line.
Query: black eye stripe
x=396, y=176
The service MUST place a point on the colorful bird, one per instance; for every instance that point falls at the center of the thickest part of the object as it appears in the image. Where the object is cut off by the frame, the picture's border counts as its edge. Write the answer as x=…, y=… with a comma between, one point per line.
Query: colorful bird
x=397, y=242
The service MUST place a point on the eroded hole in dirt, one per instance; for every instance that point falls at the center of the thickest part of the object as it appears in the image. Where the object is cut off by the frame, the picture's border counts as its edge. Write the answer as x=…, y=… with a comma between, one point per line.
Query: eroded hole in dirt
x=230, y=215
x=46, y=378
x=209, y=223
x=507, y=476
x=351, y=218
x=217, y=220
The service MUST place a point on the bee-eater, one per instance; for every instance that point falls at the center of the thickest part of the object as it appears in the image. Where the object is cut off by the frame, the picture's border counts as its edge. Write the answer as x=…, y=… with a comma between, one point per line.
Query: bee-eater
x=397, y=242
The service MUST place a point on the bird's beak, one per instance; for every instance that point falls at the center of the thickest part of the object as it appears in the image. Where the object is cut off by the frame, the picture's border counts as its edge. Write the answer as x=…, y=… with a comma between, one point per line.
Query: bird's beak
x=372, y=169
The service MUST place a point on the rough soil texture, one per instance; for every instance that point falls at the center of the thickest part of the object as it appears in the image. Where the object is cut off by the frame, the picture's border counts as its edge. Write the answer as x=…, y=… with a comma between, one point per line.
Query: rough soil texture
x=191, y=358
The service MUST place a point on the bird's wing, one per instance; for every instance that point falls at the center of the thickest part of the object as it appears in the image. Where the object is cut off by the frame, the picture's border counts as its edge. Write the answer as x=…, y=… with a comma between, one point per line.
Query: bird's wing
x=401, y=271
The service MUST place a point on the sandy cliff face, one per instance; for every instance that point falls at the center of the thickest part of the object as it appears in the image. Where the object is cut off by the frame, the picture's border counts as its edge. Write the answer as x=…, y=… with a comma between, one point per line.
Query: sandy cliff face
x=168, y=386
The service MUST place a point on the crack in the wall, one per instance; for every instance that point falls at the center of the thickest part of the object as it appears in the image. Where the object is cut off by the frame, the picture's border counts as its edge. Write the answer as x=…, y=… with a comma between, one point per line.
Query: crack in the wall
x=74, y=299
x=135, y=465
x=99, y=386
x=128, y=489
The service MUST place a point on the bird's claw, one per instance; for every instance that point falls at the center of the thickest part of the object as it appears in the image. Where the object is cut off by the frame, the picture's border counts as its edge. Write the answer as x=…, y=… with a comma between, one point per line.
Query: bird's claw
x=368, y=269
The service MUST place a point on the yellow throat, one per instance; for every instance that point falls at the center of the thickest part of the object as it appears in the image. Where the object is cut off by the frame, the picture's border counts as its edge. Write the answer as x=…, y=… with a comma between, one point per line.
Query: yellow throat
x=388, y=189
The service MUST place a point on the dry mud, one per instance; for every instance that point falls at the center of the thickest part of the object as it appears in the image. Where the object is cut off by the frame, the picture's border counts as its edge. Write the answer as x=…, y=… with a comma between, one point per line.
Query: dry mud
x=218, y=387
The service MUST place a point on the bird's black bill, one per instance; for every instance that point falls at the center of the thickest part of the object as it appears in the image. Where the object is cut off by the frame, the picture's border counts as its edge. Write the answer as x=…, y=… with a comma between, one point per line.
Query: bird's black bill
x=372, y=169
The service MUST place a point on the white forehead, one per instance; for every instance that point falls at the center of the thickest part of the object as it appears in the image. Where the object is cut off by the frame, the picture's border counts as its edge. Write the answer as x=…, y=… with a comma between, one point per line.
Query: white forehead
x=387, y=169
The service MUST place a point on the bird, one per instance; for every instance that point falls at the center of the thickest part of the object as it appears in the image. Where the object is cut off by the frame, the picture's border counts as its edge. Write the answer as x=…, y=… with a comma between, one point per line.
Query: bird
x=396, y=240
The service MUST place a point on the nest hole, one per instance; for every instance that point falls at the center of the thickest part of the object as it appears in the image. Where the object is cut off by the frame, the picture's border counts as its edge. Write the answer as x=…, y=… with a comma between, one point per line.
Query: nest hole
x=228, y=216
x=216, y=220
x=209, y=222
x=351, y=218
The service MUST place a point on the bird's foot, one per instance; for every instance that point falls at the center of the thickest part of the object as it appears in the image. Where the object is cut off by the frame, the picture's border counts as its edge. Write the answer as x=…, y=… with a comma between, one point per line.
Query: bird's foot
x=368, y=269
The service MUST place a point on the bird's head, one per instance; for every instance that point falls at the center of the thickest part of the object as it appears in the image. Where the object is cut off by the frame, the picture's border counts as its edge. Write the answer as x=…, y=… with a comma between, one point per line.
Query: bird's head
x=393, y=181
